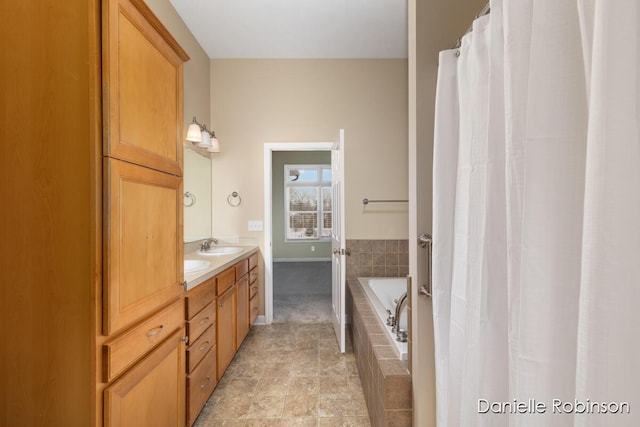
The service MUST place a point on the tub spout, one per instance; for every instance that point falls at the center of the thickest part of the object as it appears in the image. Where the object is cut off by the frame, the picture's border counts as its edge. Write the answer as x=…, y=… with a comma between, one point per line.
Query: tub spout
x=400, y=303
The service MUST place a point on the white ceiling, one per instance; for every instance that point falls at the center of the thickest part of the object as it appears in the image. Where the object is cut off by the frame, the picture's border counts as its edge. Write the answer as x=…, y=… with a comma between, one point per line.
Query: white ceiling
x=298, y=28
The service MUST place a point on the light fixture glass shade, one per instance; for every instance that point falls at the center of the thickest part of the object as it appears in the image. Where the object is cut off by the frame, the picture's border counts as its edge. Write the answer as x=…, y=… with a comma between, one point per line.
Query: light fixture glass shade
x=205, y=141
x=215, y=146
x=193, y=133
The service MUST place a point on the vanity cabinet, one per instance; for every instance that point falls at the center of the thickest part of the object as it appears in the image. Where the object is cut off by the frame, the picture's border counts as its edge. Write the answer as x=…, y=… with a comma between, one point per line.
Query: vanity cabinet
x=254, y=300
x=201, y=309
x=242, y=283
x=218, y=320
x=226, y=329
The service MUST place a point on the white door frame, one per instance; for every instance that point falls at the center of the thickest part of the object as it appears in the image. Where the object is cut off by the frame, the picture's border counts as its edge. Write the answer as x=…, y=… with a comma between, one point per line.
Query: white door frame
x=269, y=148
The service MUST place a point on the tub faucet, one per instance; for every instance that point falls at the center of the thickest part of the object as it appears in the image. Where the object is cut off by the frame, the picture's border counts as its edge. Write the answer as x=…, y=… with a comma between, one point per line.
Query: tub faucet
x=390, y=319
x=400, y=302
x=206, y=244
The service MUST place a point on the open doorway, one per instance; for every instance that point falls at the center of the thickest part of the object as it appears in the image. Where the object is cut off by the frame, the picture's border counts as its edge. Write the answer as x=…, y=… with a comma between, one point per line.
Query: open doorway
x=297, y=250
x=301, y=236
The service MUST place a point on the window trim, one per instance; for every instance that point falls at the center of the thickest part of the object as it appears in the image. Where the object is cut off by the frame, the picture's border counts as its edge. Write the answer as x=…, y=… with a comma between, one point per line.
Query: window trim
x=319, y=184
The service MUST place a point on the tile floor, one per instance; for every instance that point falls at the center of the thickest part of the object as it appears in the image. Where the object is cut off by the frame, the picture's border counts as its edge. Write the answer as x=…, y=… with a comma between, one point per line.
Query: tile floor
x=288, y=374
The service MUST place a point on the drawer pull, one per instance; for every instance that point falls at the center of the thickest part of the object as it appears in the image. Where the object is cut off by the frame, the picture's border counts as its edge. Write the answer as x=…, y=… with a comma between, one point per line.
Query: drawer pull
x=205, y=346
x=155, y=331
x=206, y=382
x=205, y=320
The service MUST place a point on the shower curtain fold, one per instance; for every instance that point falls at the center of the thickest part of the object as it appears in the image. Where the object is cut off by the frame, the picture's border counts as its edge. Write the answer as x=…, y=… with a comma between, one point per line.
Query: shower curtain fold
x=536, y=266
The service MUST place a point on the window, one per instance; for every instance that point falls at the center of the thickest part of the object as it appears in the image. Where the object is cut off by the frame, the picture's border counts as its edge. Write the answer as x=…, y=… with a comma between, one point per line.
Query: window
x=308, y=202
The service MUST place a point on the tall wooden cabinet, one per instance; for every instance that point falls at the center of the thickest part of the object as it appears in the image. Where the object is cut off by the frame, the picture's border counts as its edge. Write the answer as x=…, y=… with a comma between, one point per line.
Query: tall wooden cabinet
x=143, y=249
x=92, y=303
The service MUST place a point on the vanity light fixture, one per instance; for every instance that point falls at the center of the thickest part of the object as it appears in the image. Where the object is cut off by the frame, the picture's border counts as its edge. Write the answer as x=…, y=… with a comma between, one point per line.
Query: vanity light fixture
x=193, y=133
x=197, y=133
x=205, y=138
x=215, y=145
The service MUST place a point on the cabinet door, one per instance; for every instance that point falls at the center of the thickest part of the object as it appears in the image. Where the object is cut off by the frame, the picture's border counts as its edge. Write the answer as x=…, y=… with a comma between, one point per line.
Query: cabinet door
x=142, y=87
x=152, y=393
x=143, y=242
x=200, y=385
x=226, y=329
x=243, y=310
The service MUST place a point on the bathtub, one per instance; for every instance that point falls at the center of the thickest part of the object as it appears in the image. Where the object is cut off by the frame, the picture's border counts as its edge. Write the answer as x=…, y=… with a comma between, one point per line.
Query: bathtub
x=381, y=292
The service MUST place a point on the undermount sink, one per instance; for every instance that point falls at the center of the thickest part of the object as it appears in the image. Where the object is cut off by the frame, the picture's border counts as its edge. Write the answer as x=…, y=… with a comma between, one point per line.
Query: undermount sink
x=193, y=265
x=221, y=250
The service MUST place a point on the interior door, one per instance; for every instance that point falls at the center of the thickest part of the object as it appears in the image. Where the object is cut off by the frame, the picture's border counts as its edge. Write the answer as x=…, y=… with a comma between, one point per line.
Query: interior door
x=338, y=246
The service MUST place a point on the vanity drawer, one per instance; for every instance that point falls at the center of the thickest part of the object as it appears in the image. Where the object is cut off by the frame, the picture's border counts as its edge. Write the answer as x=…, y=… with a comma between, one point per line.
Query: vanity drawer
x=201, y=321
x=200, y=296
x=225, y=280
x=199, y=348
x=253, y=261
x=253, y=310
x=253, y=290
x=253, y=275
x=200, y=385
x=241, y=269
x=125, y=350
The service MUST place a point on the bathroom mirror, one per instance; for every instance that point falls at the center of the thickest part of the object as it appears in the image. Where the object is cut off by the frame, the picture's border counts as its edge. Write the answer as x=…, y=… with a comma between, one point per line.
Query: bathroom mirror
x=197, y=199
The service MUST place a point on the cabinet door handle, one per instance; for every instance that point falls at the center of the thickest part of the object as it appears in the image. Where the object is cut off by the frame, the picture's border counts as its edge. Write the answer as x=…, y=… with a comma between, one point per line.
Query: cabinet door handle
x=205, y=320
x=155, y=331
x=221, y=305
x=206, y=382
x=205, y=346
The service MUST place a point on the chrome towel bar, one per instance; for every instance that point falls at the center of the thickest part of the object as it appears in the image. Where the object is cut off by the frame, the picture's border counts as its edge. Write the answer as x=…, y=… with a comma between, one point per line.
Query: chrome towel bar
x=367, y=201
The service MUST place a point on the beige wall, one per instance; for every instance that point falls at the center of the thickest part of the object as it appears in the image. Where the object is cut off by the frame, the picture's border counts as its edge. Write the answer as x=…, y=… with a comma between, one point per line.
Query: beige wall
x=434, y=25
x=281, y=248
x=258, y=101
x=197, y=169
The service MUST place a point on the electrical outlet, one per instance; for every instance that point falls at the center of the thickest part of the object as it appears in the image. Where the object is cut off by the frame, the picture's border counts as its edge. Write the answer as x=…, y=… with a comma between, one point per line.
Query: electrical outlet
x=254, y=226
x=313, y=248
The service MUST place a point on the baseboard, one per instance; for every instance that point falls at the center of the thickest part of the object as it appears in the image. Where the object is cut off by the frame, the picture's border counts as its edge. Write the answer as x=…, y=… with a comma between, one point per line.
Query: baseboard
x=301, y=259
x=260, y=320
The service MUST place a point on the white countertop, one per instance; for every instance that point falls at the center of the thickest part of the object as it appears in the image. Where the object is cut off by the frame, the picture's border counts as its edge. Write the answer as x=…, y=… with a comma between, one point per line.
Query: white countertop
x=218, y=264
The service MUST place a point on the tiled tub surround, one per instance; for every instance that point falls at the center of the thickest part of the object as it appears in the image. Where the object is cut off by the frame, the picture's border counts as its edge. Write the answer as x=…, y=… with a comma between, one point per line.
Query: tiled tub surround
x=385, y=378
x=377, y=258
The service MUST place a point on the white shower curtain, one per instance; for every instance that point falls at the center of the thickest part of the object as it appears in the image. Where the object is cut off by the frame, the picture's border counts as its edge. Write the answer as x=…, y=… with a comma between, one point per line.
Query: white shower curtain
x=536, y=265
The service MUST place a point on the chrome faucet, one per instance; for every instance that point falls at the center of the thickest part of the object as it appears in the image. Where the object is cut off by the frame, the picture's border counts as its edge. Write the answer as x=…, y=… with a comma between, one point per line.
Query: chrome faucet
x=400, y=302
x=206, y=244
x=390, y=319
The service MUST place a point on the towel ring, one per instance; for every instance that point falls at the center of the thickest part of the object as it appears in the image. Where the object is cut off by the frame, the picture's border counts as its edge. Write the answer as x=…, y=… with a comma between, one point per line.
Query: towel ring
x=190, y=196
x=231, y=197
